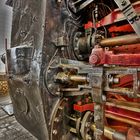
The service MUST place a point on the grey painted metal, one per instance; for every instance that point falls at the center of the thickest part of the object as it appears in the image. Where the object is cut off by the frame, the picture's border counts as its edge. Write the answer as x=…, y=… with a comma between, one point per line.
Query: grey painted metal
x=24, y=65
x=36, y=26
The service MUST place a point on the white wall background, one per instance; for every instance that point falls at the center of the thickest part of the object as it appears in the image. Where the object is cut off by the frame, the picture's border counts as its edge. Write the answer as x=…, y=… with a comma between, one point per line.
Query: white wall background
x=5, y=28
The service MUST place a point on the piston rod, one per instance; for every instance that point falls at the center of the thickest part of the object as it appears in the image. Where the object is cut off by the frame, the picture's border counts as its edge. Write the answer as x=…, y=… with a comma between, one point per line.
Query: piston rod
x=66, y=78
x=120, y=40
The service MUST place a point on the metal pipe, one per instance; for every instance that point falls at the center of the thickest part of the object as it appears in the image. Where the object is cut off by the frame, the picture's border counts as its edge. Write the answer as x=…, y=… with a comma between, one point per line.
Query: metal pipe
x=124, y=105
x=78, y=78
x=110, y=133
x=124, y=120
x=120, y=40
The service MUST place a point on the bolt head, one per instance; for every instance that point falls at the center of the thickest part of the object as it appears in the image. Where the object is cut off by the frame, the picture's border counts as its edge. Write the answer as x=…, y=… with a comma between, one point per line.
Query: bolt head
x=54, y=132
x=56, y=120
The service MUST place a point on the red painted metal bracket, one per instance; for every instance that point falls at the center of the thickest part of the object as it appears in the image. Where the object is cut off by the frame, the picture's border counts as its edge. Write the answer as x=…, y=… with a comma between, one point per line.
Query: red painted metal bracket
x=100, y=57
